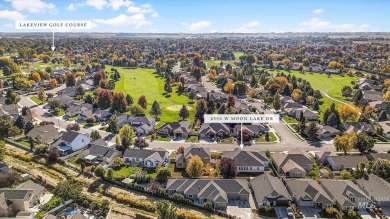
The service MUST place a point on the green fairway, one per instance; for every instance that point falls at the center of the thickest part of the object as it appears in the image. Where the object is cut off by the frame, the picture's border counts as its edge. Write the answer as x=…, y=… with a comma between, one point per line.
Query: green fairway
x=210, y=63
x=137, y=82
x=237, y=55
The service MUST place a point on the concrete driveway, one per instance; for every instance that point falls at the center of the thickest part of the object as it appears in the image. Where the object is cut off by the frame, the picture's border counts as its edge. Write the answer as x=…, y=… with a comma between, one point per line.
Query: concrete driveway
x=242, y=213
x=281, y=212
x=386, y=211
x=310, y=212
x=365, y=215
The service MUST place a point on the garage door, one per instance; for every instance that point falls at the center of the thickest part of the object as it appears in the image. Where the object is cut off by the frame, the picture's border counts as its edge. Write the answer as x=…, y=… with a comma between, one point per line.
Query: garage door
x=282, y=203
x=306, y=204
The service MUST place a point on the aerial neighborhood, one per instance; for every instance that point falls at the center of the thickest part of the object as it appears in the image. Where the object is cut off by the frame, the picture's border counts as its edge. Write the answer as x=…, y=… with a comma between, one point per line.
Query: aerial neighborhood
x=102, y=128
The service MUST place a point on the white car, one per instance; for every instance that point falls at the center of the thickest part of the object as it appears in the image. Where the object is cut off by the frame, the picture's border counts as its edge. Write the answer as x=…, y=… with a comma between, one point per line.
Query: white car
x=290, y=212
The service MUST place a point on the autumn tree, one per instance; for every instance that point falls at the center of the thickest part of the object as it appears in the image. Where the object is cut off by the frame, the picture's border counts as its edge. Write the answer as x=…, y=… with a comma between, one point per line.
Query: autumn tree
x=196, y=72
x=229, y=87
x=73, y=127
x=140, y=143
x=180, y=150
x=142, y=102
x=348, y=112
x=194, y=167
x=296, y=94
x=230, y=101
x=184, y=113
x=345, y=142
x=119, y=102
x=155, y=110
x=386, y=97
x=53, y=83
x=104, y=99
x=228, y=168
x=35, y=76
x=210, y=170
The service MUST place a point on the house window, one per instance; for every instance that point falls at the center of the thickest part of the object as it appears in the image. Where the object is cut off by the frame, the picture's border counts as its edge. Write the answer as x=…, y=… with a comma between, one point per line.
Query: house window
x=82, y=140
x=250, y=168
x=189, y=196
x=258, y=168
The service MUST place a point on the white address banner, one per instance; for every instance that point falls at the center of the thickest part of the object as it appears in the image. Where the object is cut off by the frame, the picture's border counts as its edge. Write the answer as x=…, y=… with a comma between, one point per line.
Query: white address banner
x=241, y=118
x=53, y=24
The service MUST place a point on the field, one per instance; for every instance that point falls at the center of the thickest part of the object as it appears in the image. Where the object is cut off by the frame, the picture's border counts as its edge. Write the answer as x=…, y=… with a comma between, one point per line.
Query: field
x=331, y=86
x=137, y=82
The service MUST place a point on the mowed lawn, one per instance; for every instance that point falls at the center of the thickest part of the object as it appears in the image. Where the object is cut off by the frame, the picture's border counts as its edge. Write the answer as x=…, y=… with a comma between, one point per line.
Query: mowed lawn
x=141, y=81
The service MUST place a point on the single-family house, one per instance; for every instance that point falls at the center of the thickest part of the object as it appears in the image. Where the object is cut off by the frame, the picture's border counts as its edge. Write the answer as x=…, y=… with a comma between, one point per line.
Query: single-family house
x=357, y=127
x=386, y=128
x=269, y=191
x=346, y=162
x=43, y=134
x=146, y=158
x=71, y=141
x=220, y=192
x=254, y=130
x=97, y=152
x=326, y=131
x=320, y=156
x=308, y=193
x=297, y=155
x=376, y=188
x=175, y=129
x=38, y=190
x=248, y=161
x=376, y=156
x=214, y=130
x=189, y=152
x=345, y=194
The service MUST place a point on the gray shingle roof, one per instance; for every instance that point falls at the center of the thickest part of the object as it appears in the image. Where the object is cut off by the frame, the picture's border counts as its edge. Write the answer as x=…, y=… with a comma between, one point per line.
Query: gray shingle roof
x=43, y=134
x=70, y=136
x=265, y=185
x=348, y=161
x=246, y=158
x=304, y=188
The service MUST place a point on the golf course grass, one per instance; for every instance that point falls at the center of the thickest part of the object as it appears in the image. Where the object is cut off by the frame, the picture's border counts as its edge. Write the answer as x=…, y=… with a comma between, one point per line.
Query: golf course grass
x=141, y=81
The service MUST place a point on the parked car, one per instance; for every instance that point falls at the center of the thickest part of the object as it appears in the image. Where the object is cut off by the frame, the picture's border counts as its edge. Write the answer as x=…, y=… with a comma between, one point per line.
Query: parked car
x=290, y=212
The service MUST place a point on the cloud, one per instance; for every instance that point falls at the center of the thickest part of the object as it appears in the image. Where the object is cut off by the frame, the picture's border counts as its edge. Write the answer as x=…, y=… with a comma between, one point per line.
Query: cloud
x=98, y=4
x=145, y=8
x=116, y=4
x=11, y=15
x=316, y=25
x=32, y=6
x=136, y=20
x=71, y=7
x=249, y=27
x=318, y=11
x=155, y=15
x=197, y=25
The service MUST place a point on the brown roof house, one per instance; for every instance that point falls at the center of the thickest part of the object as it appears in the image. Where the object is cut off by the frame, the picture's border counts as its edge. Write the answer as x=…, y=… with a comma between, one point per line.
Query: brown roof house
x=220, y=192
x=189, y=152
x=248, y=161
x=321, y=156
x=296, y=163
x=269, y=191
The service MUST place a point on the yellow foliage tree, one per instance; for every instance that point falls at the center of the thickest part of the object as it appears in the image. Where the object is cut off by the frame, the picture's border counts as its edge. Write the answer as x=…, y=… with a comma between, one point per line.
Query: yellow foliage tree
x=209, y=170
x=296, y=94
x=251, y=92
x=345, y=142
x=53, y=82
x=386, y=83
x=229, y=87
x=282, y=81
x=348, y=112
x=211, y=76
x=386, y=97
x=35, y=76
x=194, y=167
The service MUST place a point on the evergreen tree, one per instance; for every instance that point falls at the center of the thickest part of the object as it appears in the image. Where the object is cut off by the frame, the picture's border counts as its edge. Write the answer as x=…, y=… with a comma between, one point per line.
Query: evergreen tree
x=184, y=113
x=28, y=126
x=277, y=103
x=19, y=122
x=129, y=99
x=311, y=130
x=155, y=110
x=382, y=115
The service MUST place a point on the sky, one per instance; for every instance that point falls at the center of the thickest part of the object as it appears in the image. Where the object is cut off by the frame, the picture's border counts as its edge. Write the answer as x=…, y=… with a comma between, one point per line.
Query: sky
x=205, y=16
